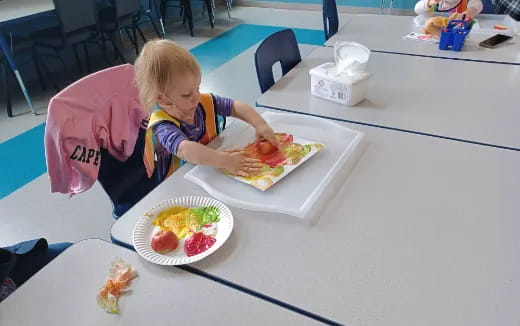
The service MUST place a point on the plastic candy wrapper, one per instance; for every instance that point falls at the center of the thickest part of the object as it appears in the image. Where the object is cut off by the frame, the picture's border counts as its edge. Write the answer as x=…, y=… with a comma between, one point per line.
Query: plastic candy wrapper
x=119, y=281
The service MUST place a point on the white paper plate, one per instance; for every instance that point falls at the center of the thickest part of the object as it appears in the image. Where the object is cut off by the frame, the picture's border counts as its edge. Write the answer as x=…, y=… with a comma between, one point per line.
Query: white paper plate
x=144, y=230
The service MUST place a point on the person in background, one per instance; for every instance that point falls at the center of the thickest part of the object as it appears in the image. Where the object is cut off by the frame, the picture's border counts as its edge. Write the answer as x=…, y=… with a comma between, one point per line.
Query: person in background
x=469, y=8
x=508, y=7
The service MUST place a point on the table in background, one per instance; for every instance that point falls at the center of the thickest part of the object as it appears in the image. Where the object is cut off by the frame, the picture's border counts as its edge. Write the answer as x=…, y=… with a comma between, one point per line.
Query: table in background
x=386, y=34
x=463, y=100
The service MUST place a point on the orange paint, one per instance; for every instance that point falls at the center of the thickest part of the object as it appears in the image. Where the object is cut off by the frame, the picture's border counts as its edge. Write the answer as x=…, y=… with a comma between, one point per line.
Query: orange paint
x=462, y=7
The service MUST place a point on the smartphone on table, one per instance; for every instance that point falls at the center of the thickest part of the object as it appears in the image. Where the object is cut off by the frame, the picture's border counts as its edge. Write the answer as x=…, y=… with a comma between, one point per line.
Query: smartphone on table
x=494, y=41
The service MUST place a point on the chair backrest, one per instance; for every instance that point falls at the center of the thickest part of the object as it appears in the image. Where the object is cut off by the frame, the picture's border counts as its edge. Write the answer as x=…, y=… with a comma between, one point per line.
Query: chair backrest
x=125, y=8
x=109, y=99
x=330, y=18
x=76, y=15
x=126, y=182
x=7, y=262
x=278, y=47
x=489, y=7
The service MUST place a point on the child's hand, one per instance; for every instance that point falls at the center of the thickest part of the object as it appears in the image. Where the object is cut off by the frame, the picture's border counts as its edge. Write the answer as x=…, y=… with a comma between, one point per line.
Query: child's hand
x=263, y=131
x=468, y=14
x=238, y=164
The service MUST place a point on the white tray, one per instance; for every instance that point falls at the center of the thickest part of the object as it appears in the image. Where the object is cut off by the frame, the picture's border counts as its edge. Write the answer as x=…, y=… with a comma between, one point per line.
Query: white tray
x=302, y=193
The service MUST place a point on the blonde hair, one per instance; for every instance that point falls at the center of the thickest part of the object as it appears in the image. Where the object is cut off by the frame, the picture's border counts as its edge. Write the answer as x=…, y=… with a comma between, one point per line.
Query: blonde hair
x=158, y=64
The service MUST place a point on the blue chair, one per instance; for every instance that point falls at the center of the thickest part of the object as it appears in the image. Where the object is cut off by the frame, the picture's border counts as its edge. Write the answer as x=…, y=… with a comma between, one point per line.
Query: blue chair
x=489, y=7
x=21, y=46
x=148, y=13
x=187, y=12
x=78, y=24
x=121, y=15
x=278, y=47
x=330, y=18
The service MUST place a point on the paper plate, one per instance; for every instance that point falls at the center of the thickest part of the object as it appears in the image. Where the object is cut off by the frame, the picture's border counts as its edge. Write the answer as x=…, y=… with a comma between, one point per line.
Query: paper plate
x=144, y=230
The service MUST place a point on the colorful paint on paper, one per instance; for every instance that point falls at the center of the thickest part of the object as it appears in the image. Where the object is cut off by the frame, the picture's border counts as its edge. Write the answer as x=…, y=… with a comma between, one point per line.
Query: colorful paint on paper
x=278, y=163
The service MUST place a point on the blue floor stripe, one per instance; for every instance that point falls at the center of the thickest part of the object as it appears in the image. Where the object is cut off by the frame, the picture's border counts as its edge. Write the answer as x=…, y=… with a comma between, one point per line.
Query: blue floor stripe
x=23, y=157
x=23, y=160
x=221, y=49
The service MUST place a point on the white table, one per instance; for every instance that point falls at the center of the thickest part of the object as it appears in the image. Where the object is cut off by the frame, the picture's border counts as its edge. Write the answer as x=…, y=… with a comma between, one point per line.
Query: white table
x=464, y=100
x=64, y=293
x=424, y=232
x=386, y=34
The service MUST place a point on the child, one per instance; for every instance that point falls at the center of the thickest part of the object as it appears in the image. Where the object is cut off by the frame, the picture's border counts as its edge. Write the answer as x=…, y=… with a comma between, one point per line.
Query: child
x=182, y=119
x=470, y=8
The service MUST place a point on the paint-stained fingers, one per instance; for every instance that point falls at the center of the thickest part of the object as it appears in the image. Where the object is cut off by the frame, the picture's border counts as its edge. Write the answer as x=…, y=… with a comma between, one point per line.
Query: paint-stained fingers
x=242, y=174
x=238, y=150
x=252, y=163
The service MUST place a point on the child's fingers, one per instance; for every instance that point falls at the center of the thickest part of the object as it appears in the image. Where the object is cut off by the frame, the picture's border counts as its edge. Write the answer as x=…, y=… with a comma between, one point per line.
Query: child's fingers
x=247, y=171
x=250, y=170
x=242, y=173
x=250, y=167
x=273, y=140
x=238, y=150
x=265, y=136
x=255, y=166
x=251, y=160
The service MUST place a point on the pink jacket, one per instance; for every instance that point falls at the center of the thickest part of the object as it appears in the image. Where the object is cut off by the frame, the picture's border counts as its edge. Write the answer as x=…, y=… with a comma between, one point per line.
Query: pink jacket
x=101, y=110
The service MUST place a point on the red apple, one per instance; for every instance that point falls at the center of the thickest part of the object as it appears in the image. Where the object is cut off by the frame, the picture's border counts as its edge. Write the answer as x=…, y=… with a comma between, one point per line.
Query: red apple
x=164, y=241
x=265, y=147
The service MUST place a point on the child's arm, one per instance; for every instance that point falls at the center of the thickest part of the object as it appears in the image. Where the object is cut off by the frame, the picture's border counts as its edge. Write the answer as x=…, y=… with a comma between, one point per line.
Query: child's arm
x=423, y=6
x=246, y=113
x=235, y=163
x=176, y=143
x=474, y=8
